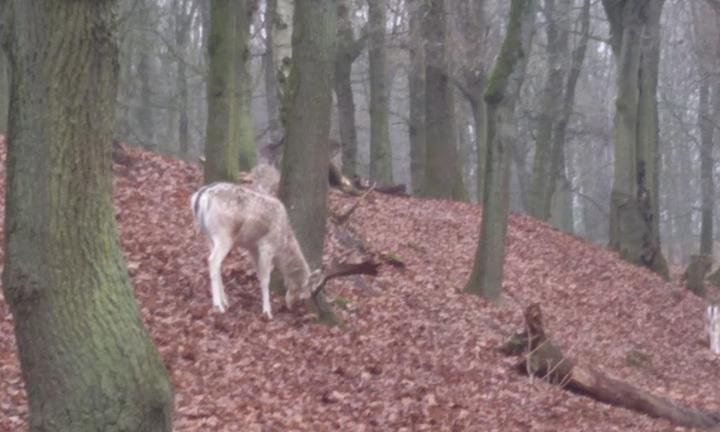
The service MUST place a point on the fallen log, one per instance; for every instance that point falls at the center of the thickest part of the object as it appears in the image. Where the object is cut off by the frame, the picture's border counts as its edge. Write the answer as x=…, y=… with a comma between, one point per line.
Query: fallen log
x=544, y=359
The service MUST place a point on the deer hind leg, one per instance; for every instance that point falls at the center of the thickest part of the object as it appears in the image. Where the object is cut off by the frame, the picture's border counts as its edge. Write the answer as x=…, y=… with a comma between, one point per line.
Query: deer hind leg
x=221, y=245
x=263, y=264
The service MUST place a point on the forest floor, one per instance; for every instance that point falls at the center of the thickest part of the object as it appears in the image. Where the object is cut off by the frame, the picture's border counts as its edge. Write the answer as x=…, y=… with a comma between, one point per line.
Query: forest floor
x=417, y=353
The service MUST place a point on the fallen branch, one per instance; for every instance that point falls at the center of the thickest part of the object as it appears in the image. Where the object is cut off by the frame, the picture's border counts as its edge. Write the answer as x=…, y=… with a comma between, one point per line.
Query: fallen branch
x=344, y=216
x=337, y=270
x=544, y=359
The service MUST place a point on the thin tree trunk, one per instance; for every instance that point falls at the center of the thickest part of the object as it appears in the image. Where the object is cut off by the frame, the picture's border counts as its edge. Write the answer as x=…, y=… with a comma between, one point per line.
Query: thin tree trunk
x=87, y=361
x=348, y=50
x=380, y=151
x=501, y=94
x=183, y=19
x=416, y=90
x=562, y=208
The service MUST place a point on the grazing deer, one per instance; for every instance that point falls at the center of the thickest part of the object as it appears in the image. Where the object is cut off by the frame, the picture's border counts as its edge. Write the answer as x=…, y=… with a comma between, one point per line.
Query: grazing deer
x=227, y=214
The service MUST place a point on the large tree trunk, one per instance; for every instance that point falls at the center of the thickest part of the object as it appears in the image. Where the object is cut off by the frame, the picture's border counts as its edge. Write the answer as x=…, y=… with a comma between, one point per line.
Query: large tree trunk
x=243, y=125
x=308, y=103
x=706, y=22
x=443, y=178
x=221, y=150
x=634, y=215
x=348, y=50
x=501, y=94
x=416, y=90
x=380, y=151
x=87, y=361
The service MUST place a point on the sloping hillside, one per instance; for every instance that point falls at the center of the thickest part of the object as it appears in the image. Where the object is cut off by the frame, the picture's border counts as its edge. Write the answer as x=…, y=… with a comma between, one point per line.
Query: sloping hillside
x=417, y=354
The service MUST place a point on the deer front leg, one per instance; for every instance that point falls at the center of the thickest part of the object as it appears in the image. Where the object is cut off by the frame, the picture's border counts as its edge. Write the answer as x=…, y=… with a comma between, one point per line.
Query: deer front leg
x=220, y=248
x=263, y=263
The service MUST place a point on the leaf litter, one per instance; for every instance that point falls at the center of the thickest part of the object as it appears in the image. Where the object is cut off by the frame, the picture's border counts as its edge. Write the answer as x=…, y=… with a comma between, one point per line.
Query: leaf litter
x=417, y=353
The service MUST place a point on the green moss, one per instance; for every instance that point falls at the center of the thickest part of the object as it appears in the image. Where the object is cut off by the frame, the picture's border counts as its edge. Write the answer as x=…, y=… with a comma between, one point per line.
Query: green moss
x=510, y=52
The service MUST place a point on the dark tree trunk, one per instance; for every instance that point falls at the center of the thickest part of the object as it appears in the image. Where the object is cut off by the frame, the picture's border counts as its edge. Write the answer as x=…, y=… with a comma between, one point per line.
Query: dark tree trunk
x=87, y=361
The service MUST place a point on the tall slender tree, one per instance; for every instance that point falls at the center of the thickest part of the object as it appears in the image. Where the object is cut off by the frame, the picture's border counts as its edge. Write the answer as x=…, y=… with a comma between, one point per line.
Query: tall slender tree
x=87, y=361
x=416, y=94
x=634, y=204
x=348, y=50
x=501, y=94
x=380, y=152
x=243, y=126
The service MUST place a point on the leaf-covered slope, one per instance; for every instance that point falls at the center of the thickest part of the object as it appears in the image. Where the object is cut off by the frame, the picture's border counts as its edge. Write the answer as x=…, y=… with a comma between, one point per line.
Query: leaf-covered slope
x=417, y=354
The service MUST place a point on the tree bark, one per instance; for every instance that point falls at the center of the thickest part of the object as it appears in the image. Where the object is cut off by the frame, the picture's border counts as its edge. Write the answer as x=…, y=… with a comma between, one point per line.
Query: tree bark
x=543, y=178
x=561, y=213
x=473, y=24
x=634, y=215
x=87, y=361
x=348, y=50
x=270, y=68
x=443, y=178
x=183, y=20
x=416, y=90
x=380, y=150
x=221, y=150
x=308, y=103
x=501, y=93
x=243, y=124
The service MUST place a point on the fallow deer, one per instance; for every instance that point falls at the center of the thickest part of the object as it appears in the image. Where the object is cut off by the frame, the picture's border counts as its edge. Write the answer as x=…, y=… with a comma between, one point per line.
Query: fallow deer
x=227, y=214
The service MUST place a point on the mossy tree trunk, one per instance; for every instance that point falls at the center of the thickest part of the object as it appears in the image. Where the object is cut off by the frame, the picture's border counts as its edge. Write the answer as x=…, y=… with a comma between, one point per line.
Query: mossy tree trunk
x=87, y=361
x=443, y=178
x=501, y=93
x=634, y=205
x=416, y=91
x=307, y=102
x=348, y=50
x=380, y=151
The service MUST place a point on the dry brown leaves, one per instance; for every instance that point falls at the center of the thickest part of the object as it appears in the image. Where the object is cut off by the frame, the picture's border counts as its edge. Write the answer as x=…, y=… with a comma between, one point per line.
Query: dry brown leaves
x=417, y=354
